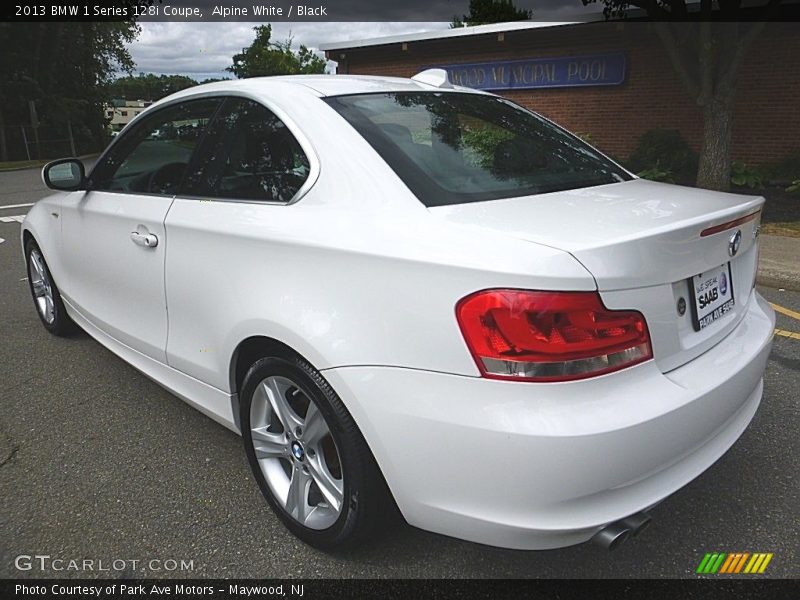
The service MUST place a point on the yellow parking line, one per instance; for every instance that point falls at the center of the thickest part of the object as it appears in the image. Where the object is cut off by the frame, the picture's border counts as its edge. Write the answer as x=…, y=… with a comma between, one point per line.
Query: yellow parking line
x=785, y=311
x=788, y=334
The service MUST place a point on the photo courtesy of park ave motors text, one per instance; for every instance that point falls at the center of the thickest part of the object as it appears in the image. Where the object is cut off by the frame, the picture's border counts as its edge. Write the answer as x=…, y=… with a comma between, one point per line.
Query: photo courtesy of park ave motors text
x=461, y=289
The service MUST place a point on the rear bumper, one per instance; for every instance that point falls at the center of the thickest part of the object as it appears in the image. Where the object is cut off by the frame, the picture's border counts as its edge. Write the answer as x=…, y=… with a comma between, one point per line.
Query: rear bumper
x=534, y=466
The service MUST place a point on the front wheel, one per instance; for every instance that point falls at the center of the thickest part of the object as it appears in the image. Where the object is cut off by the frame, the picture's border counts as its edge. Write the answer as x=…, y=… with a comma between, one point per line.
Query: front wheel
x=307, y=455
x=44, y=291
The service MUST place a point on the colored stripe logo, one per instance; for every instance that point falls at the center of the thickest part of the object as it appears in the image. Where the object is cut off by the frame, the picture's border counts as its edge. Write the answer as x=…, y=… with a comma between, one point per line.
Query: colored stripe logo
x=733, y=563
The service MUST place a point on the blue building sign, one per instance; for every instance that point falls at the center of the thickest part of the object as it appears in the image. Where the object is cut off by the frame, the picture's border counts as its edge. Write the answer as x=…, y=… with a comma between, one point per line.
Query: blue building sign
x=569, y=71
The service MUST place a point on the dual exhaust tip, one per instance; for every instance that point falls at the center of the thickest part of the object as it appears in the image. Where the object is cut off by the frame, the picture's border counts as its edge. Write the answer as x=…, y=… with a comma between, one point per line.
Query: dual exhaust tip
x=613, y=534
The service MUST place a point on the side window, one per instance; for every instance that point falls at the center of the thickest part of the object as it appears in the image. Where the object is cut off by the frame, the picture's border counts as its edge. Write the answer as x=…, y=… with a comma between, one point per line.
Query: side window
x=152, y=158
x=248, y=154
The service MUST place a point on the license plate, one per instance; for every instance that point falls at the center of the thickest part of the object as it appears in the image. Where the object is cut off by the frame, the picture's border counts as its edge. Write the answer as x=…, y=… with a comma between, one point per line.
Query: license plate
x=712, y=295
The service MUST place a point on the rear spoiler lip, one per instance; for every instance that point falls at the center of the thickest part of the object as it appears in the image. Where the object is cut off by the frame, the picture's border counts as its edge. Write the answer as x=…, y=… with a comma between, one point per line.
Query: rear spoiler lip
x=729, y=224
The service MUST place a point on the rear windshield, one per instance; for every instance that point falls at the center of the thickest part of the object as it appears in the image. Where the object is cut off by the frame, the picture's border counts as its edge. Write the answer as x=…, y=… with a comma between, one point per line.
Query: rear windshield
x=453, y=148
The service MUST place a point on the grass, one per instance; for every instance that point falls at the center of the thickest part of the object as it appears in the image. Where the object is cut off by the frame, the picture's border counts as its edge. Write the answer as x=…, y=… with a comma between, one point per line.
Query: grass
x=790, y=229
x=21, y=164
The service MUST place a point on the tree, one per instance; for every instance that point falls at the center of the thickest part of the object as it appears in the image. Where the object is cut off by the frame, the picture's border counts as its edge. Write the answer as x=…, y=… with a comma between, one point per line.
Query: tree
x=264, y=57
x=706, y=54
x=64, y=68
x=148, y=86
x=482, y=12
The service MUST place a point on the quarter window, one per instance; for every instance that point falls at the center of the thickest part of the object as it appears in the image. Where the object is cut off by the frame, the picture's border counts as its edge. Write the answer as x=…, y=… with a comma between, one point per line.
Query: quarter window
x=248, y=154
x=152, y=158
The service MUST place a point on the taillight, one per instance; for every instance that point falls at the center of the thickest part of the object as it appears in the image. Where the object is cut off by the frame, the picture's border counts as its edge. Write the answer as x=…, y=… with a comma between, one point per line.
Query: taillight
x=550, y=336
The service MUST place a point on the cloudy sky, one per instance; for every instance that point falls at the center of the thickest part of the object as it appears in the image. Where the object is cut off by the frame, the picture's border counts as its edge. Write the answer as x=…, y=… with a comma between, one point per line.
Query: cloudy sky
x=203, y=50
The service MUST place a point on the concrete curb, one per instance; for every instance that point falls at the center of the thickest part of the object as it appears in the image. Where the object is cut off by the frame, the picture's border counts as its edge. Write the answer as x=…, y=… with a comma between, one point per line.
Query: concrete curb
x=779, y=262
x=777, y=282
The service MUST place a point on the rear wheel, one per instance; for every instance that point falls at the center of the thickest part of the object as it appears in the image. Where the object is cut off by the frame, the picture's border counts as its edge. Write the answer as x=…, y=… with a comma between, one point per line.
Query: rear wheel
x=307, y=455
x=44, y=291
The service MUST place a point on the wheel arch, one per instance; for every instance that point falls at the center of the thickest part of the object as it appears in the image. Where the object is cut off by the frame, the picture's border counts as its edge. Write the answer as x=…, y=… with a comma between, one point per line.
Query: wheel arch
x=251, y=349
x=245, y=354
x=26, y=237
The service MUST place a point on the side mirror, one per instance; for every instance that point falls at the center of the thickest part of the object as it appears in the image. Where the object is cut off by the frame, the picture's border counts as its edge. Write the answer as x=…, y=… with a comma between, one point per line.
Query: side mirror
x=66, y=175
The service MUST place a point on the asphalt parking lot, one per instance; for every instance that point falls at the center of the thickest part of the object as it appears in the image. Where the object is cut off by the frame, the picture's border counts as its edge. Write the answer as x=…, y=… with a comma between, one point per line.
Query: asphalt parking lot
x=98, y=462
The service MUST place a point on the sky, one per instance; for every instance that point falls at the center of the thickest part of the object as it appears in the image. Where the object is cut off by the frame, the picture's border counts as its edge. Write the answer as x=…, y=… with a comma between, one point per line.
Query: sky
x=203, y=50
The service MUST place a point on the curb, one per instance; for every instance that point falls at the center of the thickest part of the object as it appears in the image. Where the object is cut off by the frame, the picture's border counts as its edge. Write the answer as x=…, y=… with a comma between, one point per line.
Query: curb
x=12, y=169
x=779, y=262
x=777, y=280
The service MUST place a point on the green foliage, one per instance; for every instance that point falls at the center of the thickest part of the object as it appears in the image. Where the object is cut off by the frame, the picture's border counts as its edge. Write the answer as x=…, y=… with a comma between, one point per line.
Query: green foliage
x=264, y=57
x=743, y=175
x=783, y=170
x=657, y=173
x=148, y=86
x=664, y=150
x=65, y=68
x=484, y=140
x=794, y=188
x=482, y=12
x=586, y=137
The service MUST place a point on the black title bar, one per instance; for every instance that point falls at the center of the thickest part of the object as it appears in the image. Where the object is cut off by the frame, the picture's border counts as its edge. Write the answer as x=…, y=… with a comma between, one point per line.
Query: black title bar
x=311, y=589
x=348, y=10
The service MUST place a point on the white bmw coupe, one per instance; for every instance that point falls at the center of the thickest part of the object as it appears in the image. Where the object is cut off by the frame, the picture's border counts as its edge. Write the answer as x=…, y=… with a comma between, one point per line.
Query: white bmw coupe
x=409, y=295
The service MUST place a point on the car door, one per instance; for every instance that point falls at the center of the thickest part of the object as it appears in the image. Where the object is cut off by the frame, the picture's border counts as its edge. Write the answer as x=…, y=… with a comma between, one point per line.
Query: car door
x=113, y=235
x=226, y=228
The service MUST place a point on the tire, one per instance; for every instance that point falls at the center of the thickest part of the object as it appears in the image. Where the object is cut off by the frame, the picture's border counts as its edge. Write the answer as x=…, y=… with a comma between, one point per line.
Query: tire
x=45, y=294
x=304, y=461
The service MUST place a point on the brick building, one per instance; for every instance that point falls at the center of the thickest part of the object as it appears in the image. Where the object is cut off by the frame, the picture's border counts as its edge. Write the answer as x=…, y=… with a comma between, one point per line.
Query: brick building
x=554, y=70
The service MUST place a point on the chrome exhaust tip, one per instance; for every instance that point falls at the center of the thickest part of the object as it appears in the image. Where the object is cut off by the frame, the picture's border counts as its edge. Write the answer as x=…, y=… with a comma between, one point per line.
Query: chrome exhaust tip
x=611, y=536
x=637, y=522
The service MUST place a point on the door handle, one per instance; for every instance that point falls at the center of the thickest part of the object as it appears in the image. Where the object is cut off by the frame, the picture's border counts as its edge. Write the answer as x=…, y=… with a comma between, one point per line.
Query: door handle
x=147, y=240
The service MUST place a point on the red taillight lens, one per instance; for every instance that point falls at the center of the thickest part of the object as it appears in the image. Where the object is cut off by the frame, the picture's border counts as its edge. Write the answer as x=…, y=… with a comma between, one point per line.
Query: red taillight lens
x=550, y=336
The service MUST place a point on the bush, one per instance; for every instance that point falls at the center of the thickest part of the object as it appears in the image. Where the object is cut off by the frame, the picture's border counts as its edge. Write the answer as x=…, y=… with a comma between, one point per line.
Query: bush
x=664, y=150
x=746, y=176
x=784, y=170
x=657, y=174
x=794, y=188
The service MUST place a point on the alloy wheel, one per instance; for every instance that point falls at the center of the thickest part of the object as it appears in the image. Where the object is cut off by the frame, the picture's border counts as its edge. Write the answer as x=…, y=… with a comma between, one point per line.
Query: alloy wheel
x=296, y=453
x=42, y=286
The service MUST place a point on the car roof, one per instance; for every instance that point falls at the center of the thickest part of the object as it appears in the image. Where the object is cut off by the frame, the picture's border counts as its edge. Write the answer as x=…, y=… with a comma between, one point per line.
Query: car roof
x=317, y=85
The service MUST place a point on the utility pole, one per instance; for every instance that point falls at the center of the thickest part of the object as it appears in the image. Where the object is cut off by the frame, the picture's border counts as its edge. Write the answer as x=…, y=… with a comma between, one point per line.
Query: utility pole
x=35, y=125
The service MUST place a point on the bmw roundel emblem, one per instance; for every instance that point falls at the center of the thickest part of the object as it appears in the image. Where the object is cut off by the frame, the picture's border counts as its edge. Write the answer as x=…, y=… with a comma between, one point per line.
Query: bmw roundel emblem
x=297, y=451
x=723, y=284
x=735, y=242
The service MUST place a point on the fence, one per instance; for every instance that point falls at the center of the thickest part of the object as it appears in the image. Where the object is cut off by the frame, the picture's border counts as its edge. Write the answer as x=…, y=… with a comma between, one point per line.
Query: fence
x=23, y=142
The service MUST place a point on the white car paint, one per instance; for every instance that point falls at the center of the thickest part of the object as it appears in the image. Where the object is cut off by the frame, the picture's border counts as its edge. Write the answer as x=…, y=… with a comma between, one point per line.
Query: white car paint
x=362, y=279
x=123, y=290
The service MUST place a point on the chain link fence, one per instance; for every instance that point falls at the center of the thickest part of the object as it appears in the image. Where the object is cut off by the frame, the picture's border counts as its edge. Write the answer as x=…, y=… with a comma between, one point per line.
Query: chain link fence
x=24, y=142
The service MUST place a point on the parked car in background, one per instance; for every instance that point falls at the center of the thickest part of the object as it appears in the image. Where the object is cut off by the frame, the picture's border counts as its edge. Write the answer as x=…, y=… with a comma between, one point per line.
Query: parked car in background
x=408, y=294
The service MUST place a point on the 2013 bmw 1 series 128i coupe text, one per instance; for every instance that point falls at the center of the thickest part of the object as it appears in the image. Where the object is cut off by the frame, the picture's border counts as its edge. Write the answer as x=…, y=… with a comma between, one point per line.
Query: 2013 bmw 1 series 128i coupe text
x=409, y=295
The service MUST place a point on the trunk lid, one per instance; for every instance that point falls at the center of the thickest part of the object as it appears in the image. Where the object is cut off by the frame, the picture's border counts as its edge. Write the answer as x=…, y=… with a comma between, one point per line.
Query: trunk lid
x=642, y=242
